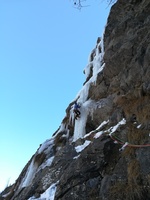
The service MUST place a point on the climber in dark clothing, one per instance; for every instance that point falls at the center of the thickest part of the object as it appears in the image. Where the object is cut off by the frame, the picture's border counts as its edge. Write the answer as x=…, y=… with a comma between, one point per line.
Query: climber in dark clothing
x=76, y=110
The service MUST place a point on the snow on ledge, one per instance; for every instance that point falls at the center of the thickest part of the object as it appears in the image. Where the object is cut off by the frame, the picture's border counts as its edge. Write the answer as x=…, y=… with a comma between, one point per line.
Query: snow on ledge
x=114, y=128
x=98, y=134
x=102, y=124
x=82, y=147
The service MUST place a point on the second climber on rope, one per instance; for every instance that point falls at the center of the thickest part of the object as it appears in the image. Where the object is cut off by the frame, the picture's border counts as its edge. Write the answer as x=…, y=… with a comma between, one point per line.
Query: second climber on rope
x=76, y=110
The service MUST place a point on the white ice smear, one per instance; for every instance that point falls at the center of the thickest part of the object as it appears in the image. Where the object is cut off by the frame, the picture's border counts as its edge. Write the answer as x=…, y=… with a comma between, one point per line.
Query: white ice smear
x=49, y=194
x=46, y=146
x=62, y=128
x=47, y=163
x=30, y=173
x=96, y=63
x=33, y=168
x=82, y=147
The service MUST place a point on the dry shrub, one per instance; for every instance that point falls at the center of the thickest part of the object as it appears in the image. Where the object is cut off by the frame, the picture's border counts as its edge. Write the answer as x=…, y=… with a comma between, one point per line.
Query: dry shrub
x=133, y=188
x=133, y=171
x=123, y=191
x=118, y=191
x=129, y=152
x=136, y=136
x=134, y=192
x=133, y=105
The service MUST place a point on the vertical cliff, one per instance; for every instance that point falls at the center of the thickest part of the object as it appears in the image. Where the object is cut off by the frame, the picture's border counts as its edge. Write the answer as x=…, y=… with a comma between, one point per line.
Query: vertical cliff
x=103, y=155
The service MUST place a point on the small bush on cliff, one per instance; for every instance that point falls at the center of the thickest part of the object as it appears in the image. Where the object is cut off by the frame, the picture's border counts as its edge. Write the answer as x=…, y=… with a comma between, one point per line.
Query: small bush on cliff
x=132, y=188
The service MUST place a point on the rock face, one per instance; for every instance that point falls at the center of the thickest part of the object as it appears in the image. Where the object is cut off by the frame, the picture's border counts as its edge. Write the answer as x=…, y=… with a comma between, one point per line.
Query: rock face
x=105, y=154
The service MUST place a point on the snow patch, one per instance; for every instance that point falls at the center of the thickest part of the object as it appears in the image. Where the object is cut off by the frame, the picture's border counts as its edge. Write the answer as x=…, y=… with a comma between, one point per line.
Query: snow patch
x=49, y=194
x=139, y=126
x=82, y=147
x=76, y=157
x=124, y=146
x=5, y=195
x=98, y=134
x=97, y=129
x=47, y=163
x=102, y=124
x=114, y=128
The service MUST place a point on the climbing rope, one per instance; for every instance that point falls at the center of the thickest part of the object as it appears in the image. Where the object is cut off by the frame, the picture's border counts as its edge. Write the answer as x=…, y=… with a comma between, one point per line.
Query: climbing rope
x=118, y=140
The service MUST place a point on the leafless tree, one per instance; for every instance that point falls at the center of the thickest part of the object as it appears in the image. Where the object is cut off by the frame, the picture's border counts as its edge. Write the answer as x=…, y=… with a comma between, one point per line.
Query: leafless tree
x=79, y=4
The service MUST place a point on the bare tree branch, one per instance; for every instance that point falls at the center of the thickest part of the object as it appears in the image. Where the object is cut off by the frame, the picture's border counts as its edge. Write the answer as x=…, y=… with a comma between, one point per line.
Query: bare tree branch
x=81, y=3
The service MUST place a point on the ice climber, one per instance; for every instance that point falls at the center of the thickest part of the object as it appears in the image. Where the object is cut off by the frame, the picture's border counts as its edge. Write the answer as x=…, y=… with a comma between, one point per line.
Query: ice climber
x=76, y=110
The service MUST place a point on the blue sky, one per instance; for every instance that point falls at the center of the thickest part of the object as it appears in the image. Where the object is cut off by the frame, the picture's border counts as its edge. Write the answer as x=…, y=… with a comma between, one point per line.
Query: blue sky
x=44, y=48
